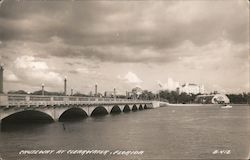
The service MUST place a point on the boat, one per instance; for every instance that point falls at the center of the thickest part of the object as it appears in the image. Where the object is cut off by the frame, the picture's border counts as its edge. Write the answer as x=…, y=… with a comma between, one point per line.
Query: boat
x=226, y=106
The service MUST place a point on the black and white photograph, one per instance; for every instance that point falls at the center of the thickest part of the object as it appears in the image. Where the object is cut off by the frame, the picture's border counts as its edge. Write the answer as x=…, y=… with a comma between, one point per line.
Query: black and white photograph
x=124, y=80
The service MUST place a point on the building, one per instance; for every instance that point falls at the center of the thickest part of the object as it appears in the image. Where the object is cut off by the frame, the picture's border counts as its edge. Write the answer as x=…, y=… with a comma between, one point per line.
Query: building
x=212, y=99
x=136, y=92
x=109, y=94
x=191, y=88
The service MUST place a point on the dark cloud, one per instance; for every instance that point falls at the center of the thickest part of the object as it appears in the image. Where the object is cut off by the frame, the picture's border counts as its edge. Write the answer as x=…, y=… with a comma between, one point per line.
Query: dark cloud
x=107, y=54
x=124, y=23
x=79, y=37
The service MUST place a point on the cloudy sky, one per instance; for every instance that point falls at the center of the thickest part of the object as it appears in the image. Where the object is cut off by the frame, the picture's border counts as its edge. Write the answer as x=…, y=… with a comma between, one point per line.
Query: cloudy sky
x=123, y=44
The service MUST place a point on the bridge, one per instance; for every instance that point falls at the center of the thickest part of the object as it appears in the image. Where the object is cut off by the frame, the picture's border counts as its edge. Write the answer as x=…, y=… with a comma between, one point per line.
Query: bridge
x=56, y=107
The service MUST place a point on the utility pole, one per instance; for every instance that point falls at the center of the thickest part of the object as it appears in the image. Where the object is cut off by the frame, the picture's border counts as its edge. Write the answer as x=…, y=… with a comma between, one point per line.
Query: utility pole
x=43, y=89
x=96, y=90
x=65, y=86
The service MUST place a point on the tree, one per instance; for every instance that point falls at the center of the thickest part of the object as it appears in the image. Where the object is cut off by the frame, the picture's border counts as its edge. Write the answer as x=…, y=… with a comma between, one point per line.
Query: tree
x=241, y=98
x=17, y=92
x=47, y=93
x=147, y=95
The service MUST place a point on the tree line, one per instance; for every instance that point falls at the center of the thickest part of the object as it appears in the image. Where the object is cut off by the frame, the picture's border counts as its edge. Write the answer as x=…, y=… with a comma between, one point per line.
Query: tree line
x=168, y=96
x=163, y=95
x=175, y=97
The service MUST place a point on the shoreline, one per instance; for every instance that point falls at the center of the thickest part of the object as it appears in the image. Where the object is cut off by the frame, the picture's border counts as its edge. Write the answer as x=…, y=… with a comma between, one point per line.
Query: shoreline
x=199, y=105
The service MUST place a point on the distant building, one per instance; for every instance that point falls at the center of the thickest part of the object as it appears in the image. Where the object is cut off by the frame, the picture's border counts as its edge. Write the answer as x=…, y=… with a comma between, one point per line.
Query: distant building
x=130, y=95
x=114, y=94
x=98, y=95
x=109, y=94
x=136, y=92
x=212, y=99
x=191, y=88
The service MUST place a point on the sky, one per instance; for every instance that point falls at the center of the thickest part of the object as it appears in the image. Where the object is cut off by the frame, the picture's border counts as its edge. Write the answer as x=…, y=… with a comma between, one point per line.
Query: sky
x=124, y=44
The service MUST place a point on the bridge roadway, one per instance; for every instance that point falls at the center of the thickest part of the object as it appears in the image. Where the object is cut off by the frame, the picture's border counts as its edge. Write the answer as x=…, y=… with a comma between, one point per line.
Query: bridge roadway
x=55, y=106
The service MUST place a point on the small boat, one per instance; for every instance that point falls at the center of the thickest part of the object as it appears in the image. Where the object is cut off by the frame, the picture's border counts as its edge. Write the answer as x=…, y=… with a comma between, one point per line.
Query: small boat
x=226, y=106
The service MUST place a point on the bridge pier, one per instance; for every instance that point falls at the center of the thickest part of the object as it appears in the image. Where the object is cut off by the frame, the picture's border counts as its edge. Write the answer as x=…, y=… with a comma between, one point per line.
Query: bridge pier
x=121, y=107
x=108, y=108
x=131, y=106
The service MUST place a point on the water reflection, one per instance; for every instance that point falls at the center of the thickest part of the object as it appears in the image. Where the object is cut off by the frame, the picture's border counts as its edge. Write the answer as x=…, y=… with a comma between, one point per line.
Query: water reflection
x=23, y=126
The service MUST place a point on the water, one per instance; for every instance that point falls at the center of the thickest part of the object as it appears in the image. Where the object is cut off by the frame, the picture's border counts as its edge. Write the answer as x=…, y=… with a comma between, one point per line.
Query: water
x=190, y=132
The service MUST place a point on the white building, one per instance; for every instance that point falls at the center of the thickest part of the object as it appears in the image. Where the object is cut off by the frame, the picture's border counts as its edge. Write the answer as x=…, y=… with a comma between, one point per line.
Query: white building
x=191, y=88
x=212, y=99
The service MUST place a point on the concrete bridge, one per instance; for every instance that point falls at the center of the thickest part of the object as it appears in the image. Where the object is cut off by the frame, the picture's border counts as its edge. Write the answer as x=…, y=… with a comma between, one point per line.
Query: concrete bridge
x=56, y=107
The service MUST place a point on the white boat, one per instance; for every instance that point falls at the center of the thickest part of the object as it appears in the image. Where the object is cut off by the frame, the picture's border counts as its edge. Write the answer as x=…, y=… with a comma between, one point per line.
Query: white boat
x=226, y=106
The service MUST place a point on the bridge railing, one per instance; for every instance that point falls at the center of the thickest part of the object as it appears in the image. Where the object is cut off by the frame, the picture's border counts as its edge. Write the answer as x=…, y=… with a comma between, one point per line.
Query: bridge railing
x=23, y=99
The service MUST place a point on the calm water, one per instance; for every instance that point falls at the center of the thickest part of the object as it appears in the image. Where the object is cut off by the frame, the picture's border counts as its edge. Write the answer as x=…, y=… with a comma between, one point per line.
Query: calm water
x=191, y=132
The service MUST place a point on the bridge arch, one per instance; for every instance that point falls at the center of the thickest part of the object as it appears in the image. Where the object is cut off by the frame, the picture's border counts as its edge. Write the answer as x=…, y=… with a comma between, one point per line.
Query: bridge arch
x=115, y=109
x=134, y=108
x=99, y=110
x=140, y=107
x=73, y=113
x=31, y=116
x=126, y=108
x=145, y=106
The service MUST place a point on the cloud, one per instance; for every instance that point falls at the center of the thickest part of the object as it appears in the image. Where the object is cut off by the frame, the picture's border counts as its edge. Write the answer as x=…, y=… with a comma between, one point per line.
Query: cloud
x=130, y=77
x=29, y=69
x=11, y=77
x=28, y=62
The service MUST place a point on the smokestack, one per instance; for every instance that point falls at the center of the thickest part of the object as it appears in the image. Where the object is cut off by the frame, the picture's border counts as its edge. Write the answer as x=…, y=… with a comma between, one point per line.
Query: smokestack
x=95, y=89
x=65, y=86
x=43, y=89
x=1, y=79
x=71, y=92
